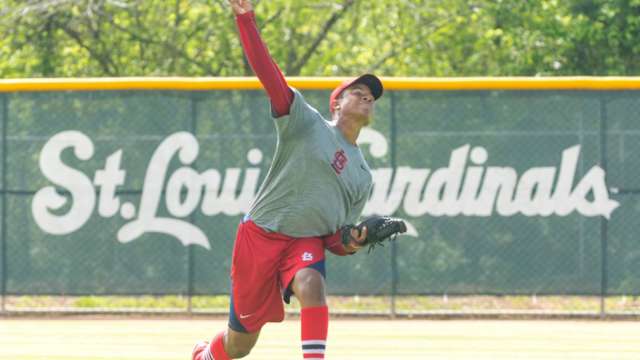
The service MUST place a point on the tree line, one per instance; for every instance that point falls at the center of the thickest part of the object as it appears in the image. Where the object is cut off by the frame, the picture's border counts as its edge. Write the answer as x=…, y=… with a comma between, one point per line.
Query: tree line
x=81, y=38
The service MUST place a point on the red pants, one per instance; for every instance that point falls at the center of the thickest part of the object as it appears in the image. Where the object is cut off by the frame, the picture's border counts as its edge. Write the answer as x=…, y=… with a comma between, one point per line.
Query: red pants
x=263, y=266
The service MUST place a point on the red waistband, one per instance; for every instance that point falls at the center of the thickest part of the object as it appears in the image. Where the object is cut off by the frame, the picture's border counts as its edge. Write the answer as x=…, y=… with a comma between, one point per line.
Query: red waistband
x=252, y=226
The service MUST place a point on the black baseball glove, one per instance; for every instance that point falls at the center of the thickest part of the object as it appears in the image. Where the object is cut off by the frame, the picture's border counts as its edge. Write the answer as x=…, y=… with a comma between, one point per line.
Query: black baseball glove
x=379, y=229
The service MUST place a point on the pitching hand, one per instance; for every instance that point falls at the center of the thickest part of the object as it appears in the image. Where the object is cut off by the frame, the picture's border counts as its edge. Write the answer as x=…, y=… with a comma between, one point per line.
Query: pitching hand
x=240, y=6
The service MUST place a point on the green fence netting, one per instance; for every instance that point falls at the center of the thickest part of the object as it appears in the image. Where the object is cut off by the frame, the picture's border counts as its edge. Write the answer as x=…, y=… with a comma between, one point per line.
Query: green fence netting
x=506, y=192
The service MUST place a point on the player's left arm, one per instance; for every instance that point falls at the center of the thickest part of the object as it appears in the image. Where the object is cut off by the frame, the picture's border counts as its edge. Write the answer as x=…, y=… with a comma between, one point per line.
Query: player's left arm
x=335, y=242
x=371, y=232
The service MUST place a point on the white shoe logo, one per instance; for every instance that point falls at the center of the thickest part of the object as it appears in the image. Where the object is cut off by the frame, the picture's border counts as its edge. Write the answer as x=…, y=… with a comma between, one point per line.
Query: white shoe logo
x=307, y=256
x=243, y=316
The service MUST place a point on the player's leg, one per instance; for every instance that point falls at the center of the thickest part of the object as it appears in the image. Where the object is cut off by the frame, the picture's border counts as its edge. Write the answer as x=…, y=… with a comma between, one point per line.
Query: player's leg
x=255, y=294
x=228, y=344
x=309, y=287
x=239, y=344
x=240, y=336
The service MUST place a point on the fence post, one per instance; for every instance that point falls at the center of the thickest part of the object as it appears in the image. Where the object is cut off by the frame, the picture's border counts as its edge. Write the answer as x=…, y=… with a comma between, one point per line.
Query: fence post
x=394, y=248
x=193, y=127
x=604, y=228
x=3, y=260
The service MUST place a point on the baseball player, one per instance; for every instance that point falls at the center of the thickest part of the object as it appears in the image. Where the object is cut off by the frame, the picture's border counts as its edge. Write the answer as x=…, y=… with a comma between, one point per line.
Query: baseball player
x=318, y=182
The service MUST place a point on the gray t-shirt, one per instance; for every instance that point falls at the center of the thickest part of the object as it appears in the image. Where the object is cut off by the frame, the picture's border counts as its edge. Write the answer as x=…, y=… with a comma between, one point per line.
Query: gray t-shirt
x=317, y=182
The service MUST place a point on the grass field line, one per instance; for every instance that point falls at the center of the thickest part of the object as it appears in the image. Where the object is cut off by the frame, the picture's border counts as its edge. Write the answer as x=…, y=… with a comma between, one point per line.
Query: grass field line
x=125, y=339
x=404, y=304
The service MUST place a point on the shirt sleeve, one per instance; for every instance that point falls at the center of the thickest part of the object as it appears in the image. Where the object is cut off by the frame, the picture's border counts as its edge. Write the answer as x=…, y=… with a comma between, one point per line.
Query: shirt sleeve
x=263, y=65
x=300, y=121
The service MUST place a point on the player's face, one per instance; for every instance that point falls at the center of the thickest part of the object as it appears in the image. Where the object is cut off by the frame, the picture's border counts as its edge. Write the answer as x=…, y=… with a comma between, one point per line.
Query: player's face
x=357, y=101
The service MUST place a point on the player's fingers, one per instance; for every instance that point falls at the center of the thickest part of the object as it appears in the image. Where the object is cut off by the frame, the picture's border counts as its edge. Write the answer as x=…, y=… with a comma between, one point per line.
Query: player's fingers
x=236, y=5
x=360, y=236
x=363, y=234
x=355, y=235
x=241, y=6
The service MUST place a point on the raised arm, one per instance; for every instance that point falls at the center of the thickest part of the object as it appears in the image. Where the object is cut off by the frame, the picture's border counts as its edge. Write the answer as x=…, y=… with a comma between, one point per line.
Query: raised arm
x=260, y=60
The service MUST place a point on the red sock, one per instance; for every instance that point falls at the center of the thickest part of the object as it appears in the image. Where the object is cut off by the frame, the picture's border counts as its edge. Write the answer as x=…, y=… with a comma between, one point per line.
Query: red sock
x=315, y=323
x=216, y=349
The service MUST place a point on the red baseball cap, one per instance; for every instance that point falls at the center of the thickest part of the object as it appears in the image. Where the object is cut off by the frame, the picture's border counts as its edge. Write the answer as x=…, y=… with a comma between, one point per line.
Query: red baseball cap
x=372, y=81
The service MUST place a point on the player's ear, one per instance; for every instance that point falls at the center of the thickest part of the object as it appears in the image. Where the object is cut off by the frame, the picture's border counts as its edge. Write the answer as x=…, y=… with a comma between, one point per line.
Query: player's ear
x=336, y=105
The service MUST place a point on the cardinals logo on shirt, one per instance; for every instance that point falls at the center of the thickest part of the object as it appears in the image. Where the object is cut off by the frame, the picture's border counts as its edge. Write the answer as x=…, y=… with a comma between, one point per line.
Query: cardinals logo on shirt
x=339, y=161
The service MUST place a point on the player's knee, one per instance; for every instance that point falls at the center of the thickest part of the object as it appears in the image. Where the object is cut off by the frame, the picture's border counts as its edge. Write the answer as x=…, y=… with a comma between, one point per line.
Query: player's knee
x=309, y=288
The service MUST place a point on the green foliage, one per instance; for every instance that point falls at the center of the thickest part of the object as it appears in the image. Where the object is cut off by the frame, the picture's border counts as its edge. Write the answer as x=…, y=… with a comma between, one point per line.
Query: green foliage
x=320, y=38
x=603, y=38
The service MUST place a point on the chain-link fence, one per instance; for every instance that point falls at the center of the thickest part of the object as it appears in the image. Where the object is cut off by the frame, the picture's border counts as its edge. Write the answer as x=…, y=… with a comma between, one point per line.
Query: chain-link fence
x=140, y=192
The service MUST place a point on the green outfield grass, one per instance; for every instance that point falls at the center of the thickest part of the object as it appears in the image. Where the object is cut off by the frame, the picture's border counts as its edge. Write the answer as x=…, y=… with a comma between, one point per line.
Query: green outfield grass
x=355, y=304
x=132, y=339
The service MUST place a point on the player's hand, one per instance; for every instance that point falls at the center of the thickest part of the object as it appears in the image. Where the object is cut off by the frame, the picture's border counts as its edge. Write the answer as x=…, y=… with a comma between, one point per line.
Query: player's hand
x=241, y=6
x=357, y=239
x=373, y=231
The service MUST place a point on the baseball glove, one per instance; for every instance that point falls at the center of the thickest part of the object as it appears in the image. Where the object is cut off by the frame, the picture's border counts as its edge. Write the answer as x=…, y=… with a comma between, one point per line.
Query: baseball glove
x=379, y=229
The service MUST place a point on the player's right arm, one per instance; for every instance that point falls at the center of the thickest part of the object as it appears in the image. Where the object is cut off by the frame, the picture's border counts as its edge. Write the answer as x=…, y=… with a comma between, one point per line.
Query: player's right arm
x=259, y=58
